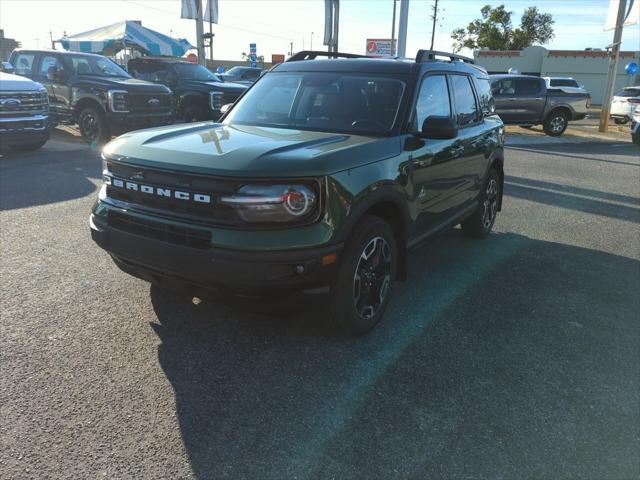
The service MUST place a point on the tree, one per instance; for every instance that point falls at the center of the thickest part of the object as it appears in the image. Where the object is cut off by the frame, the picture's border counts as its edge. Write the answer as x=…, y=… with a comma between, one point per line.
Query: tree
x=246, y=57
x=494, y=30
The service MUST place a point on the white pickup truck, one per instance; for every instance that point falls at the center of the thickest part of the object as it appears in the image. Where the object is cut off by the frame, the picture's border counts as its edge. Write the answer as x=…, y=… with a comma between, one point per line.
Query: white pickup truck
x=24, y=112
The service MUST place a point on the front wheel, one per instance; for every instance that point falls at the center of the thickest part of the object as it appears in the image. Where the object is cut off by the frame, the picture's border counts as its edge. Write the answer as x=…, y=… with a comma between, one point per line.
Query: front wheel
x=556, y=123
x=93, y=126
x=365, y=278
x=480, y=223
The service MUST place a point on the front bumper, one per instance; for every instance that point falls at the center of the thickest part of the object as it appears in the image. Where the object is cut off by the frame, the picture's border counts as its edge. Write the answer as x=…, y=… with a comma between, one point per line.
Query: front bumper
x=24, y=130
x=125, y=122
x=185, y=267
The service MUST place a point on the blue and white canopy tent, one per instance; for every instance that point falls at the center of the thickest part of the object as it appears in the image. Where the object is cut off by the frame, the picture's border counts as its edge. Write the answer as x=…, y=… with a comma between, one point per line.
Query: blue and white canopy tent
x=129, y=34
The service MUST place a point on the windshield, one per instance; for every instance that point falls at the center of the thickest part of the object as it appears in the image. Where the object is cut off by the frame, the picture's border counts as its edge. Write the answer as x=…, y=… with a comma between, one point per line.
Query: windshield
x=563, y=82
x=98, y=66
x=191, y=71
x=332, y=102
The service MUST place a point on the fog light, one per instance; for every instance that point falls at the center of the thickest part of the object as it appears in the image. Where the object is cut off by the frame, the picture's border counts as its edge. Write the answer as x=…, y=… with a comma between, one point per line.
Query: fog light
x=299, y=269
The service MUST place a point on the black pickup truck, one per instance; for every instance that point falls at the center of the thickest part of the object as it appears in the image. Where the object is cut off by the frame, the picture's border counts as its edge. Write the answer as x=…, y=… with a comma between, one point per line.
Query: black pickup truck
x=198, y=94
x=94, y=92
x=525, y=100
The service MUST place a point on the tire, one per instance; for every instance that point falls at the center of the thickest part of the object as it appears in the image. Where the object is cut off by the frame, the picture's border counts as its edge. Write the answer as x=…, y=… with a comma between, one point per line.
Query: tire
x=621, y=121
x=93, y=126
x=480, y=223
x=635, y=137
x=360, y=302
x=29, y=147
x=192, y=113
x=556, y=123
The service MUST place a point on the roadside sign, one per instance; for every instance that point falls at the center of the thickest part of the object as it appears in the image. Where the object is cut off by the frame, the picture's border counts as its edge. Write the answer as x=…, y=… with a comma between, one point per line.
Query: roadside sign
x=277, y=58
x=253, y=57
x=379, y=47
x=192, y=57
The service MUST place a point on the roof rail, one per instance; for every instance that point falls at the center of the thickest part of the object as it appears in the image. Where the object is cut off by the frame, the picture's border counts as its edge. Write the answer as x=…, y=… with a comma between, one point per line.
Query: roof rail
x=312, y=54
x=430, y=56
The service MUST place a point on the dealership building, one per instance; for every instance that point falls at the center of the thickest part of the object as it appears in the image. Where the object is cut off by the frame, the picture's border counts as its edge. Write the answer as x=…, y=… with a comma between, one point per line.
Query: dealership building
x=588, y=67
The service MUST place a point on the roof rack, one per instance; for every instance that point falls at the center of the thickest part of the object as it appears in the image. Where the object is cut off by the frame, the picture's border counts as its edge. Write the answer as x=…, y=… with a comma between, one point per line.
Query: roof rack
x=430, y=56
x=312, y=54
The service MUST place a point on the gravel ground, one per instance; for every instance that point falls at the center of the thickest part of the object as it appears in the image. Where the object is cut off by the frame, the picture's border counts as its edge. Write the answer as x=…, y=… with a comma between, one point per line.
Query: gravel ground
x=510, y=358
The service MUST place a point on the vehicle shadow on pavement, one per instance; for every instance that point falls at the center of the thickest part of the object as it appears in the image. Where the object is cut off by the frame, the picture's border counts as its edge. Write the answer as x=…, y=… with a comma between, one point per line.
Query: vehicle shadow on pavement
x=584, y=150
x=48, y=175
x=507, y=358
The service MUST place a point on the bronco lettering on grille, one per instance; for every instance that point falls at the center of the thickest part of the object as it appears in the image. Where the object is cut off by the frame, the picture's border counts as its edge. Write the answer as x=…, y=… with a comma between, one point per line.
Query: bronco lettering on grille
x=159, y=191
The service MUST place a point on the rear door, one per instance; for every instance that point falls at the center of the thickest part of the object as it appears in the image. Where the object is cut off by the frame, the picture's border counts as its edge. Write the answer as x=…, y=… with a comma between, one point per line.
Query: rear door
x=530, y=99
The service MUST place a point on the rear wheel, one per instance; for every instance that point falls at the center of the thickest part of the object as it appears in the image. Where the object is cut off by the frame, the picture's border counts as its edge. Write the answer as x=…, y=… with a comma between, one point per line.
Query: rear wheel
x=479, y=224
x=362, y=288
x=93, y=126
x=556, y=123
x=621, y=121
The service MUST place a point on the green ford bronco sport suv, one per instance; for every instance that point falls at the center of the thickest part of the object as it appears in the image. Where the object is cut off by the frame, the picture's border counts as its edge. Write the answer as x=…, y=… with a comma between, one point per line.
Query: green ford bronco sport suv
x=319, y=178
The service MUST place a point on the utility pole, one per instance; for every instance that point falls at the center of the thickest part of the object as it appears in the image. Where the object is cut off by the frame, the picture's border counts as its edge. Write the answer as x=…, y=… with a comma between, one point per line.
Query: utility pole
x=200, y=34
x=53, y=47
x=290, y=49
x=435, y=20
x=393, y=30
x=311, y=47
x=402, y=28
x=613, y=67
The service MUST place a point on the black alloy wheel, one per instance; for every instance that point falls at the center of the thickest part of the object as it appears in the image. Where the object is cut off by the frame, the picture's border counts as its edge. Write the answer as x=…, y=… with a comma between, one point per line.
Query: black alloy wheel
x=372, y=278
x=480, y=223
x=93, y=126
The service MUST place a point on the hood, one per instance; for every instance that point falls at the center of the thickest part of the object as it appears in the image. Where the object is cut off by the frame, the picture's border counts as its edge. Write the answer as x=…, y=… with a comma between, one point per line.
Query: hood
x=247, y=151
x=122, y=83
x=213, y=86
x=16, y=83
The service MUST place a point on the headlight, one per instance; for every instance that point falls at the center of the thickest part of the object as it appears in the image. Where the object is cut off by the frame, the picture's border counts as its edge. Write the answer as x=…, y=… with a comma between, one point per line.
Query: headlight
x=273, y=203
x=118, y=100
x=215, y=100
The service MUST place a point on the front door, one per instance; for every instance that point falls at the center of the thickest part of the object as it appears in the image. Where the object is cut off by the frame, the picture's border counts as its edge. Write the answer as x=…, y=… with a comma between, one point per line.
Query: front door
x=434, y=165
x=52, y=73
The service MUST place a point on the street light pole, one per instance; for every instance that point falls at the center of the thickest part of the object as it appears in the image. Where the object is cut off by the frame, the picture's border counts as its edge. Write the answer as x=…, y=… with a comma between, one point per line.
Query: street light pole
x=402, y=28
x=613, y=67
x=393, y=30
x=200, y=33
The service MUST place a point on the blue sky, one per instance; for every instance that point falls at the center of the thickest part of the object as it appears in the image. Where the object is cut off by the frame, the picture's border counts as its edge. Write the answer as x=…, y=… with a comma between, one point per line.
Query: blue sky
x=273, y=24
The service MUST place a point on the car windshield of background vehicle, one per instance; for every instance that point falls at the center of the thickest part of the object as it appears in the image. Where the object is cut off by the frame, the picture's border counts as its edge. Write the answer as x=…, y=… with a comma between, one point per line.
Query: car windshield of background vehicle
x=629, y=92
x=563, y=83
x=191, y=71
x=330, y=102
x=96, y=66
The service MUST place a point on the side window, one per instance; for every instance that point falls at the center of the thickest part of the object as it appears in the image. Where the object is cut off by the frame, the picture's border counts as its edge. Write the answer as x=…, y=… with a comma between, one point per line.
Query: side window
x=48, y=62
x=23, y=64
x=507, y=87
x=81, y=66
x=484, y=93
x=433, y=99
x=527, y=86
x=466, y=107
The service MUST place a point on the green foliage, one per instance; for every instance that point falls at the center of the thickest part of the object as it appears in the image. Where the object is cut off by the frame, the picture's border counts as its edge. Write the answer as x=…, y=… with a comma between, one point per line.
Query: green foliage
x=494, y=30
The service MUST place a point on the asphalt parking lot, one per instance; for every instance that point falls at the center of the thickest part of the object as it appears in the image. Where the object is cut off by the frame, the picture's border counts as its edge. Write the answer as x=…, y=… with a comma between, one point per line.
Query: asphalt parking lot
x=517, y=357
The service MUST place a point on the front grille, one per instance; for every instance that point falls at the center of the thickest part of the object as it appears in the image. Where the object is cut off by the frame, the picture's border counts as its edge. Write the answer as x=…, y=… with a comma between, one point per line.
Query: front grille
x=208, y=213
x=15, y=104
x=139, y=102
x=187, y=237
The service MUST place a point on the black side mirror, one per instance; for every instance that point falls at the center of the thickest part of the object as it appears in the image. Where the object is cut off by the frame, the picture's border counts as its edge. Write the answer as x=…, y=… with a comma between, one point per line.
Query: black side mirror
x=439, y=128
x=6, y=67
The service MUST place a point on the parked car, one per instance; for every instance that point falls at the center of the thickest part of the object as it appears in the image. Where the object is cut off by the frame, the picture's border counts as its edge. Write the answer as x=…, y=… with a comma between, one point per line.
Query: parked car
x=621, y=105
x=246, y=75
x=320, y=178
x=635, y=122
x=566, y=84
x=525, y=100
x=24, y=112
x=94, y=93
x=198, y=94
